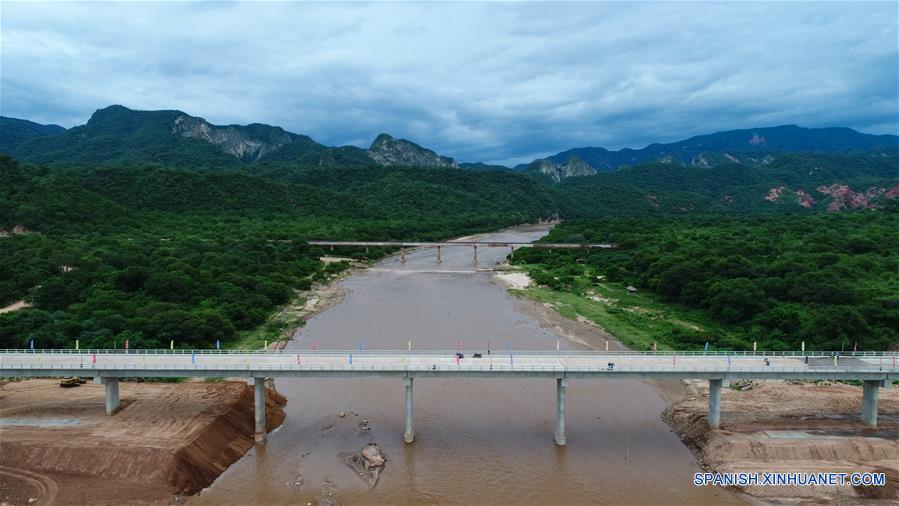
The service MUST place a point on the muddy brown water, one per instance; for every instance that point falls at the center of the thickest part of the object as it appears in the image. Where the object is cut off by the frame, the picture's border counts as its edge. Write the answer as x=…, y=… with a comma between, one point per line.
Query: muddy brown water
x=477, y=441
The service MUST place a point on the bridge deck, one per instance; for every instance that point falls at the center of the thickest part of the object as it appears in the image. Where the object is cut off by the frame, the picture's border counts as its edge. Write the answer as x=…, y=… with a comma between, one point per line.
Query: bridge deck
x=488, y=244
x=144, y=363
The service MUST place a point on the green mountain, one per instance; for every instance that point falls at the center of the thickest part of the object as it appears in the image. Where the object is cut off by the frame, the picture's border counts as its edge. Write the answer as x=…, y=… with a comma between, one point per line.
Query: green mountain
x=784, y=182
x=16, y=131
x=740, y=146
x=117, y=135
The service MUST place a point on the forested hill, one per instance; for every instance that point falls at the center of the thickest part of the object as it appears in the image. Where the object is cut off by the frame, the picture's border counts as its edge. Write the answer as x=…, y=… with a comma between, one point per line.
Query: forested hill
x=155, y=254
x=734, y=146
x=14, y=132
x=66, y=200
x=794, y=182
x=829, y=280
x=119, y=136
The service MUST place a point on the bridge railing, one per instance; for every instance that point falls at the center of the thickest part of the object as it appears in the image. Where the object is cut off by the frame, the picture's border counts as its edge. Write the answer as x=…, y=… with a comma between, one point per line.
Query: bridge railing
x=262, y=368
x=466, y=351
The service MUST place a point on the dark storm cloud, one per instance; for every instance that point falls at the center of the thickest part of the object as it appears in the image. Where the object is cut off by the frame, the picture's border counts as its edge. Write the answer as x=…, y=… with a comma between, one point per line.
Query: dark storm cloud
x=477, y=81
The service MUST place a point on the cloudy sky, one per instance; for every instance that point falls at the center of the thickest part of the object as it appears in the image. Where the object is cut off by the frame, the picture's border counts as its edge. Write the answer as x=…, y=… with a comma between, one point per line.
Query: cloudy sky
x=503, y=82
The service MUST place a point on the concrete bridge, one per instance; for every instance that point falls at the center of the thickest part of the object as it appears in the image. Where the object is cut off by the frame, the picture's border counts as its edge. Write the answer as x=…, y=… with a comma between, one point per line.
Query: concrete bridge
x=402, y=245
x=873, y=369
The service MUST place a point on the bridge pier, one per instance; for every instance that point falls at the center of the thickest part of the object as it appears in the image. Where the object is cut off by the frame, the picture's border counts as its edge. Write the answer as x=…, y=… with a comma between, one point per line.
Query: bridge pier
x=439, y=260
x=561, y=385
x=408, y=432
x=112, y=394
x=715, y=403
x=259, y=411
x=870, y=392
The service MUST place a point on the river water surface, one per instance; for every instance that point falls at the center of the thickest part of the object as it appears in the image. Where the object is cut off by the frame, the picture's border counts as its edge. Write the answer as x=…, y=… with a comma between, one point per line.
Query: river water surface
x=477, y=441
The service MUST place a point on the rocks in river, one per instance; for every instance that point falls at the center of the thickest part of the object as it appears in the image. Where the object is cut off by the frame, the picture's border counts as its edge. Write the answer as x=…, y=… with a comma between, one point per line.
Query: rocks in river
x=367, y=464
x=372, y=456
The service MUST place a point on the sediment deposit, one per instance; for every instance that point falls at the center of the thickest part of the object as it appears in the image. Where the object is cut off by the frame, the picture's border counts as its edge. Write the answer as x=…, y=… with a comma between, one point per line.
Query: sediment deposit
x=780, y=426
x=58, y=447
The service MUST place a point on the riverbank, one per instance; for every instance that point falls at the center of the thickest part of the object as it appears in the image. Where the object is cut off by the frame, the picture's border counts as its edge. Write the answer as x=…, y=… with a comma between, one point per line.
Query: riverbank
x=783, y=426
x=581, y=332
x=283, y=325
x=58, y=447
x=766, y=426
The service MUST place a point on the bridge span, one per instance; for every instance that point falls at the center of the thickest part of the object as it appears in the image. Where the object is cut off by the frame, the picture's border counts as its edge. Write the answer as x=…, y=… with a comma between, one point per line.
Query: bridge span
x=873, y=369
x=402, y=245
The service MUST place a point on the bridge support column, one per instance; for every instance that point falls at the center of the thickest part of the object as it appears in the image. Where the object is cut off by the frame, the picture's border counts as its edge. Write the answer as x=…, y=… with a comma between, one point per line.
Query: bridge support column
x=112, y=394
x=408, y=432
x=402, y=255
x=259, y=411
x=715, y=403
x=561, y=385
x=870, y=392
x=439, y=260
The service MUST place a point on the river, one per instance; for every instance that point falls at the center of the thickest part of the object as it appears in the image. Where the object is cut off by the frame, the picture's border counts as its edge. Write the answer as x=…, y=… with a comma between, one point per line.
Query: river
x=477, y=441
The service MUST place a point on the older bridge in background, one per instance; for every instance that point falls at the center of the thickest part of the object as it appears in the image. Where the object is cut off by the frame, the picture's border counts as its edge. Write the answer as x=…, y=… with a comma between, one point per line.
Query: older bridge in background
x=402, y=245
x=873, y=369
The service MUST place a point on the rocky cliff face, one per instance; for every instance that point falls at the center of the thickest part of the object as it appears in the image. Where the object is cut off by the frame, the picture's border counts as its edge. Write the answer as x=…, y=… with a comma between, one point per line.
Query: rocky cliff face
x=386, y=150
x=836, y=196
x=573, y=167
x=248, y=143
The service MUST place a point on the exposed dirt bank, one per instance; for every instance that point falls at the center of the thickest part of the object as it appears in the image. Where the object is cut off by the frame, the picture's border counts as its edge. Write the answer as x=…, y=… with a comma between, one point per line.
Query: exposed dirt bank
x=58, y=447
x=780, y=426
x=15, y=306
x=514, y=280
x=307, y=304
